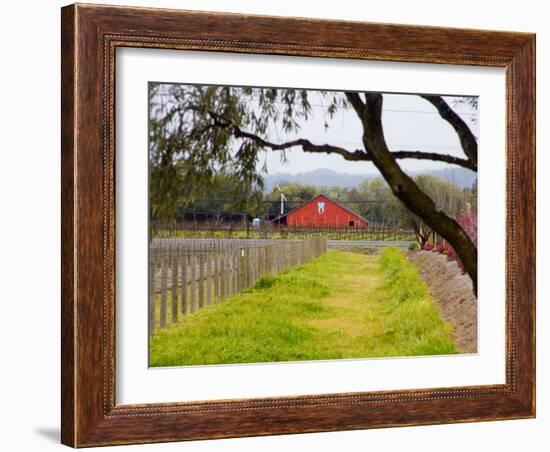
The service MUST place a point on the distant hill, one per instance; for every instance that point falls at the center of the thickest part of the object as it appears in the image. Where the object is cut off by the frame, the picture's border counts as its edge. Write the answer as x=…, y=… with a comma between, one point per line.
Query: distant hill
x=319, y=177
x=325, y=177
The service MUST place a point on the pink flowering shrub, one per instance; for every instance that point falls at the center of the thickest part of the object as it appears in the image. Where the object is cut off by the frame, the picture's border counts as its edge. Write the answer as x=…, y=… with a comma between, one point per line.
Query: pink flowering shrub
x=468, y=222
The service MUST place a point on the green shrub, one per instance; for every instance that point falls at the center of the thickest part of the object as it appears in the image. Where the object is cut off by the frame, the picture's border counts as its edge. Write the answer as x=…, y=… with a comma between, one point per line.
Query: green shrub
x=403, y=280
x=413, y=246
x=413, y=317
x=265, y=282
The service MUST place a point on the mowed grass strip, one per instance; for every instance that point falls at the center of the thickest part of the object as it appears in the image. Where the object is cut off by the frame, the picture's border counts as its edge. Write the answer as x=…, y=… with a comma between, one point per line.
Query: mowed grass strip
x=340, y=305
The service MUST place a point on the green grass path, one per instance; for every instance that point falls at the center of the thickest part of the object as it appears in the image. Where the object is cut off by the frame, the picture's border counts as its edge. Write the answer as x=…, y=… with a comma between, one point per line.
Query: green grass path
x=341, y=305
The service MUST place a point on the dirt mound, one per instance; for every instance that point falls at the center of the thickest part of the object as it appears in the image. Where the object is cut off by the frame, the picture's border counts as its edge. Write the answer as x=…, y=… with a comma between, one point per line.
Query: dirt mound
x=453, y=292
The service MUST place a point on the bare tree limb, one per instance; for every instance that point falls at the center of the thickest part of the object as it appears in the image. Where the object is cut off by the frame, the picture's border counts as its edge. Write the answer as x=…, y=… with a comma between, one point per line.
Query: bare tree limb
x=356, y=155
x=434, y=156
x=306, y=145
x=467, y=139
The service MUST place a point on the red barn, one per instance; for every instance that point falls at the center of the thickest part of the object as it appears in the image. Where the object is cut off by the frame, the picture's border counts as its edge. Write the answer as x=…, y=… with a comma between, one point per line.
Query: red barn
x=323, y=212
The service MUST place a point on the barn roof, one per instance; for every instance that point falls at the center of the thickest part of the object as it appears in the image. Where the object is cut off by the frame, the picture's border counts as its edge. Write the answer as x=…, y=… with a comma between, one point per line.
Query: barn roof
x=328, y=199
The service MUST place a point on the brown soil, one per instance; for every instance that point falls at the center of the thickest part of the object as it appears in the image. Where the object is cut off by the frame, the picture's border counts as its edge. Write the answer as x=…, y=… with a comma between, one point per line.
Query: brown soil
x=453, y=294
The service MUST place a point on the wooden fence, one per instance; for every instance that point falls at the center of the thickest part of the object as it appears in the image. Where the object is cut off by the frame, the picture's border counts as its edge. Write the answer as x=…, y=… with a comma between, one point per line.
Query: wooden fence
x=189, y=274
x=186, y=229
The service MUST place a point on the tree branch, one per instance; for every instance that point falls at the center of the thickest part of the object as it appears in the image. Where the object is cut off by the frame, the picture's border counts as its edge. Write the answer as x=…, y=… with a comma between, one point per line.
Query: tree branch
x=357, y=155
x=467, y=139
x=306, y=145
x=434, y=156
x=356, y=102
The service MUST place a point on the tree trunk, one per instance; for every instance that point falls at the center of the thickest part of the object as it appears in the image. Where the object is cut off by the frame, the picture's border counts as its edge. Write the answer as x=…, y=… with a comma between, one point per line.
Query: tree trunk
x=422, y=235
x=404, y=188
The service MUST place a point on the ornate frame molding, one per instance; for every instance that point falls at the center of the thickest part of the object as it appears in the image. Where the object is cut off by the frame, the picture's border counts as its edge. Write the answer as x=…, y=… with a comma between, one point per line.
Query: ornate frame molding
x=90, y=37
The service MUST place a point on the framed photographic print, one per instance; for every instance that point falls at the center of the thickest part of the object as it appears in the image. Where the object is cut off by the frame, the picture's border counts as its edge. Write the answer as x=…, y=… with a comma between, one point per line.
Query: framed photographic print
x=281, y=225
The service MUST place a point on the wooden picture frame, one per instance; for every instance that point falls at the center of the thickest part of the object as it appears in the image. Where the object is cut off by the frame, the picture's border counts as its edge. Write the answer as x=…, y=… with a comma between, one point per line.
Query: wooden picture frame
x=90, y=36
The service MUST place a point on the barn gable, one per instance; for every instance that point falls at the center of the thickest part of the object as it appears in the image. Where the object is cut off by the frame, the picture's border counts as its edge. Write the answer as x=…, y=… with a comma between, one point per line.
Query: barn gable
x=322, y=211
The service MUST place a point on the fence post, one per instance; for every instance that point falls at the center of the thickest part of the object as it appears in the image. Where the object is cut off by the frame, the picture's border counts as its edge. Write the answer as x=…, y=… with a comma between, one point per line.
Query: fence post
x=241, y=266
x=163, y=283
x=193, y=287
x=263, y=265
x=257, y=273
x=152, y=281
x=223, y=276
x=174, y=289
x=209, y=277
x=247, y=272
x=218, y=278
x=184, y=269
x=231, y=276
x=201, y=280
x=238, y=271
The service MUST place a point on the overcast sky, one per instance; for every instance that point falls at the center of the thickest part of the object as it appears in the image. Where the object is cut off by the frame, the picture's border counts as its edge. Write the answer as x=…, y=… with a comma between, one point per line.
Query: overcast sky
x=410, y=123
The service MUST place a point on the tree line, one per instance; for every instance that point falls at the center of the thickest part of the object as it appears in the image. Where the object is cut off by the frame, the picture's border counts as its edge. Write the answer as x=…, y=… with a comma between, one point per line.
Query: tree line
x=372, y=199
